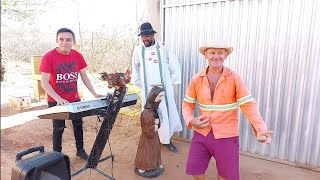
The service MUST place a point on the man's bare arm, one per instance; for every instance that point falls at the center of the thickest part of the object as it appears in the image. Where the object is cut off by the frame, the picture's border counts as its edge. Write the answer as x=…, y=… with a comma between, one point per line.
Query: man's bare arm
x=45, y=78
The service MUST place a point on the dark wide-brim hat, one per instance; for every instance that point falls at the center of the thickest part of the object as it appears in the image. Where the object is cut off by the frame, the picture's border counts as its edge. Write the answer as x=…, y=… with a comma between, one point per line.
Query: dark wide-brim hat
x=146, y=29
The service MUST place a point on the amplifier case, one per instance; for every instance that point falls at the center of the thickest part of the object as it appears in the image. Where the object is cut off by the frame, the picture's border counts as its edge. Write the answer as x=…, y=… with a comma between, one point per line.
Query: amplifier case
x=42, y=166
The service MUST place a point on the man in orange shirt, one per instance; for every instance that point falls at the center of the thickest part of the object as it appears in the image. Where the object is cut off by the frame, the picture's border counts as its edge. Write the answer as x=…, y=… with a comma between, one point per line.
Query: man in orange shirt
x=220, y=92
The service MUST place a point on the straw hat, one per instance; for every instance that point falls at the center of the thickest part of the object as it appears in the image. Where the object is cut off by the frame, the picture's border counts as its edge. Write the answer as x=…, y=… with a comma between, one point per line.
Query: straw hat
x=216, y=43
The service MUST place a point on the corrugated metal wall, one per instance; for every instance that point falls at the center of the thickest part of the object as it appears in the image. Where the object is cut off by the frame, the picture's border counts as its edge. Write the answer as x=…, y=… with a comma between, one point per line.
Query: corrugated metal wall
x=277, y=52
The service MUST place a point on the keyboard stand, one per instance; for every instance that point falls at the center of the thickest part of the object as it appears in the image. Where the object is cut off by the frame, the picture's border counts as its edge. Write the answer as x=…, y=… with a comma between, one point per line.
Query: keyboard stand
x=103, y=135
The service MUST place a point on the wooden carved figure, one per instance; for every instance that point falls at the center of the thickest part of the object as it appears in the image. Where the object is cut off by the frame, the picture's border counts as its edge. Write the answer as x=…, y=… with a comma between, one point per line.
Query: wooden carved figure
x=116, y=80
x=148, y=158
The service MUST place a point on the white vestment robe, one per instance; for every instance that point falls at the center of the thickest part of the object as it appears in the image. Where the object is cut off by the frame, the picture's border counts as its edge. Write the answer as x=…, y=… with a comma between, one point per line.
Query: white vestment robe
x=171, y=72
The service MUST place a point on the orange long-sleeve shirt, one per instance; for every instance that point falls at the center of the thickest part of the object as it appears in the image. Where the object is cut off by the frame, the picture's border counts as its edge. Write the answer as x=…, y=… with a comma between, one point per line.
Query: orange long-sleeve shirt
x=222, y=110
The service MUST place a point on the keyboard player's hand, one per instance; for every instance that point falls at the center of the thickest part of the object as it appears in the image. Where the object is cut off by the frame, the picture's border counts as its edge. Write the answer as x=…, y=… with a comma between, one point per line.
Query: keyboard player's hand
x=62, y=102
x=99, y=96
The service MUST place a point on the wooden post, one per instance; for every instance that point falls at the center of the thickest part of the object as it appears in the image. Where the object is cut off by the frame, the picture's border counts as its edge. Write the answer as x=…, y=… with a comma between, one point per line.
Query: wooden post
x=153, y=16
x=76, y=47
x=36, y=78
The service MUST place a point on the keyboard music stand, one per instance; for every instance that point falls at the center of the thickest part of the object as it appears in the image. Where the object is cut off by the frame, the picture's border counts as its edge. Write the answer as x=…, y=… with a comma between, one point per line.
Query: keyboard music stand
x=101, y=139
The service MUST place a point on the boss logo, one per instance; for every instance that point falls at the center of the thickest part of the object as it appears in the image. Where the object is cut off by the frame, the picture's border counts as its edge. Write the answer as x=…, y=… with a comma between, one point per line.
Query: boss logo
x=67, y=76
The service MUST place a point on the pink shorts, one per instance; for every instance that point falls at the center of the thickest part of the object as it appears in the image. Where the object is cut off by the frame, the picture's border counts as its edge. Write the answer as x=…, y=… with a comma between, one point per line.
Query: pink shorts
x=225, y=151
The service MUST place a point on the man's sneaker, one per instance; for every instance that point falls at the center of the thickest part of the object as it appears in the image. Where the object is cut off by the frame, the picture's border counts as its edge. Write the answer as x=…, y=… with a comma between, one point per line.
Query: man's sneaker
x=171, y=147
x=82, y=154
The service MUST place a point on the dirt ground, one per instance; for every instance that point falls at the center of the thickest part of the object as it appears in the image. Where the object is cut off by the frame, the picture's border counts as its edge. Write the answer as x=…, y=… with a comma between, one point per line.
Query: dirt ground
x=123, y=143
x=21, y=130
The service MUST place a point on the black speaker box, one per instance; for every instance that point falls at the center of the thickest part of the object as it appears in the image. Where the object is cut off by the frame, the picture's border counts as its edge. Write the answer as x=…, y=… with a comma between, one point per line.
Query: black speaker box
x=42, y=166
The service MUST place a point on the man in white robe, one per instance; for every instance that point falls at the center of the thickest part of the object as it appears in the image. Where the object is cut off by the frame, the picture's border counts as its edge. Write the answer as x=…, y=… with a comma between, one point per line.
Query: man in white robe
x=154, y=64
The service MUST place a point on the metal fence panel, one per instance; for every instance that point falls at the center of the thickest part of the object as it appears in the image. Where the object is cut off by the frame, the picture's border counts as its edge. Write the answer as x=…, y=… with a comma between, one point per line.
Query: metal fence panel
x=277, y=52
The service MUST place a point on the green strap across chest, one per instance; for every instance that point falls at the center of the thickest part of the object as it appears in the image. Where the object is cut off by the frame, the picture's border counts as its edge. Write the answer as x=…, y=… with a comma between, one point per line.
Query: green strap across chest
x=161, y=73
